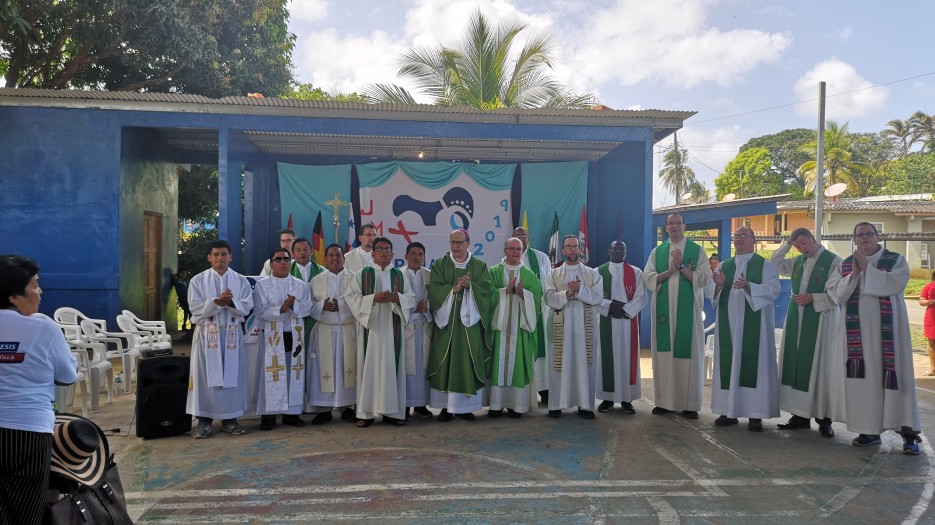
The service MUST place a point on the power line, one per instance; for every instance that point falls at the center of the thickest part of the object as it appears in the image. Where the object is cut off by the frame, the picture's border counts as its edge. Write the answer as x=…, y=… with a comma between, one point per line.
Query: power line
x=813, y=99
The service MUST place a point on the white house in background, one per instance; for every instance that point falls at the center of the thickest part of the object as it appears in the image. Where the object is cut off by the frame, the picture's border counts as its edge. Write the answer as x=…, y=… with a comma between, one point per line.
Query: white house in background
x=909, y=218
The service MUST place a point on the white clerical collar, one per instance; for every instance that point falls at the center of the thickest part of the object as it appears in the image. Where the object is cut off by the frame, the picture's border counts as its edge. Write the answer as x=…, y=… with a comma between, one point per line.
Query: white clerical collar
x=413, y=271
x=376, y=267
x=462, y=265
x=572, y=267
x=817, y=252
x=280, y=278
x=510, y=267
x=677, y=243
x=336, y=274
x=744, y=256
x=613, y=264
x=303, y=266
x=215, y=272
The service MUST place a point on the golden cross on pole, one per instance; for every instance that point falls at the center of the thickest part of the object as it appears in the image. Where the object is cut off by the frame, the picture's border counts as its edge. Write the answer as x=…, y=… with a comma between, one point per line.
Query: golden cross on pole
x=336, y=203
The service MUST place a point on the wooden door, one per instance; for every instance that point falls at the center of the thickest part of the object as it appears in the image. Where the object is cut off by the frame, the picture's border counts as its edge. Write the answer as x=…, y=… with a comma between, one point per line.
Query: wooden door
x=152, y=261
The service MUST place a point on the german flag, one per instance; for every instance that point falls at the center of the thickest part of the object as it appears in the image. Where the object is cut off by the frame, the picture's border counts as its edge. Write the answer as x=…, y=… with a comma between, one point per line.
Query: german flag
x=318, y=241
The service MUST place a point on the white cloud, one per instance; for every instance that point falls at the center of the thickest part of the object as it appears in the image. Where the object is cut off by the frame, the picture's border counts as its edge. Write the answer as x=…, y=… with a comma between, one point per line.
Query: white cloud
x=308, y=10
x=345, y=62
x=847, y=93
x=669, y=41
x=844, y=33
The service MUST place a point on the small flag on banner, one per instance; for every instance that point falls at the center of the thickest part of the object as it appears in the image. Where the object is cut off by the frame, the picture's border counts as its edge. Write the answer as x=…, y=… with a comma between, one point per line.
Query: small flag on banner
x=289, y=224
x=555, y=254
x=318, y=241
x=583, y=235
x=526, y=225
x=351, y=229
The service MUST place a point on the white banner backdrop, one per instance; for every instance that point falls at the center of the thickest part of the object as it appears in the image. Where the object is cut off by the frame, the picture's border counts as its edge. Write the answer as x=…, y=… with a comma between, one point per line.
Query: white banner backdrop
x=405, y=211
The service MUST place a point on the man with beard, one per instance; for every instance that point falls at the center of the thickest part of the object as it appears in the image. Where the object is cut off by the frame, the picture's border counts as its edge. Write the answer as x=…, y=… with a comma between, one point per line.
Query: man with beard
x=573, y=291
x=286, y=238
x=361, y=257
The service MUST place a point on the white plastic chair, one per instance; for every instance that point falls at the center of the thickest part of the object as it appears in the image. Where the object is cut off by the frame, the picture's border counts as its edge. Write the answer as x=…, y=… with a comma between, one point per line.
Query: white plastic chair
x=100, y=370
x=65, y=395
x=148, y=340
x=126, y=346
x=71, y=316
x=157, y=328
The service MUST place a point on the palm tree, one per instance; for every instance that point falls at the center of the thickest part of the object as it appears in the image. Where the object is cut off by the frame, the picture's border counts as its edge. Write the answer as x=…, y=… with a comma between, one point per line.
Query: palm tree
x=699, y=192
x=901, y=133
x=923, y=128
x=480, y=73
x=837, y=162
x=676, y=175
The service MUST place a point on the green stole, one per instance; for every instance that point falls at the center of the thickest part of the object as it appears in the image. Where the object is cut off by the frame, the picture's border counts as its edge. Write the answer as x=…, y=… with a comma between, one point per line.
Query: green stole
x=540, y=326
x=309, y=322
x=750, y=348
x=798, y=349
x=522, y=367
x=685, y=308
x=367, y=286
x=607, y=358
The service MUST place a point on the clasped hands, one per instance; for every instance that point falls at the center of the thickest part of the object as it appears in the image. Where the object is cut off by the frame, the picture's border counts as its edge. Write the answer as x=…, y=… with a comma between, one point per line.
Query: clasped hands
x=515, y=287
x=287, y=304
x=573, y=287
x=386, y=297
x=463, y=283
x=225, y=299
x=740, y=283
x=616, y=310
x=330, y=305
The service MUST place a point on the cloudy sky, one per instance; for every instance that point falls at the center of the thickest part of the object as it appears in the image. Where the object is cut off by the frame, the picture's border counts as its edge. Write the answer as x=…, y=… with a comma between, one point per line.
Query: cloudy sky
x=748, y=67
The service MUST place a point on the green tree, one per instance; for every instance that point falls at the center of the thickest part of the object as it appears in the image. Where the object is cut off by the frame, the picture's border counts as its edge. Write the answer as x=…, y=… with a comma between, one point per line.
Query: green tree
x=210, y=47
x=749, y=174
x=838, y=161
x=923, y=129
x=198, y=215
x=900, y=133
x=913, y=173
x=676, y=175
x=785, y=150
x=480, y=73
x=874, y=150
x=699, y=192
x=305, y=91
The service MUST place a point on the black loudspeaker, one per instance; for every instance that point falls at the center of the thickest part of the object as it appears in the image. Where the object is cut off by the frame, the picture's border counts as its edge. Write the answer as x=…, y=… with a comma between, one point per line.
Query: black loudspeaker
x=161, y=392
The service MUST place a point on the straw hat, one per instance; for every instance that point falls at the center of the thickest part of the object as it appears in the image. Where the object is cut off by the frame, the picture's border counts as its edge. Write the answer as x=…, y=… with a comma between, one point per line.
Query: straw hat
x=79, y=449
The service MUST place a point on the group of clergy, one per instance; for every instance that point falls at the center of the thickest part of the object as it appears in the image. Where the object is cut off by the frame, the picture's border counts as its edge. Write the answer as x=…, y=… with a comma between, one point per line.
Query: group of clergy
x=375, y=341
x=845, y=354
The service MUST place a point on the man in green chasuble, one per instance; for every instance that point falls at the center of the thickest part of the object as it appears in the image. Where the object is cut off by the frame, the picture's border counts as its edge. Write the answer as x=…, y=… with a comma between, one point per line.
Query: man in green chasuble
x=745, y=383
x=459, y=360
x=677, y=272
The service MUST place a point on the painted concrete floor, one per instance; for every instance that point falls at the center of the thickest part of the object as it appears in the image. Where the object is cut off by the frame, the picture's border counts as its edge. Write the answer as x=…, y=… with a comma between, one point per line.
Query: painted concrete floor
x=616, y=469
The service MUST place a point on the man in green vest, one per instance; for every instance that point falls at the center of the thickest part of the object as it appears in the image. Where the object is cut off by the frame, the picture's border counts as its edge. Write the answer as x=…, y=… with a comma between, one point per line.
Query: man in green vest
x=459, y=360
x=304, y=269
x=811, y=371
x=677, y=272
x=745, y=382
x=540, y=265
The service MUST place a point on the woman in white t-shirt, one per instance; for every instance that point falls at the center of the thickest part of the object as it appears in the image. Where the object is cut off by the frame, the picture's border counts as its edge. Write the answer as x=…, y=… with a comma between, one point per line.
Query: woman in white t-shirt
x=34, y=357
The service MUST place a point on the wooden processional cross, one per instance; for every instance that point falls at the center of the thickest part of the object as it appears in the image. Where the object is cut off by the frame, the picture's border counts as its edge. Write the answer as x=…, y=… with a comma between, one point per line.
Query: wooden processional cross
x=336, y=203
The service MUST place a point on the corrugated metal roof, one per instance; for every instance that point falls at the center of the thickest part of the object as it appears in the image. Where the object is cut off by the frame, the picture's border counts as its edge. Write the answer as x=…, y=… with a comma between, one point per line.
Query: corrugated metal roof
x=897, y=206
x=715, y=205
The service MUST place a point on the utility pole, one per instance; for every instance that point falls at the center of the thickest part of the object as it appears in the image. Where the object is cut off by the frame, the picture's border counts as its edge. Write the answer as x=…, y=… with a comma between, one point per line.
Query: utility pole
x=820, y=164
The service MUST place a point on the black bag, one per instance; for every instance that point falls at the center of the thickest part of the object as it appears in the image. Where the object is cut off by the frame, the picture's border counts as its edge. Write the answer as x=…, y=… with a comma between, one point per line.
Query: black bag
x=103, y=504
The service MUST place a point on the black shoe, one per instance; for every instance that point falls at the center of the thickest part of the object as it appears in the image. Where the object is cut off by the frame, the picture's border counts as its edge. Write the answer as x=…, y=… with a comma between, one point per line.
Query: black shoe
x=659, y=411
x=267, y=422
x=689, y=414
x=445, y=416
x=422, y=412
x=349, y=415
x=586, y=414
x=755, y=425
x=605, y=406
x=408, y=417
x=494, y=413
x=514, y=414
x=555, y=413
x=795, y=422
x=294, y=420
x=826, y=430
x=627, y=408
x=322, y=417
x=466, y=416
x=393, y=421
x=544, y=396
x=724, y=421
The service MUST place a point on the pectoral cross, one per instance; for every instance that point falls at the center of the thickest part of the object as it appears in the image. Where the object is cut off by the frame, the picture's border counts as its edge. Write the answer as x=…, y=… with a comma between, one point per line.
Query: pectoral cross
x=326, y=376
x=350, y=372
x=336, y=203
x=275, y=368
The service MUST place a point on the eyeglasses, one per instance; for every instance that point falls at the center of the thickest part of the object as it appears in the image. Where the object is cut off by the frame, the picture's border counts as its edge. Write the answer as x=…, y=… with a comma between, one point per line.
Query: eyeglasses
x=457, y=243
x=862, y=235
x=281, y=259
x=383, y=249
x=523, y=236
x=575, y=247
x=738, y=236
x=674, y=223
x=513, y=249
